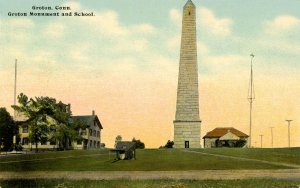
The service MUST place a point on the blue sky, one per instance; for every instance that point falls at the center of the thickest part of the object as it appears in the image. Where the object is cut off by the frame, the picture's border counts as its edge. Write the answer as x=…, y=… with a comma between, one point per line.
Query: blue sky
x=123, y=62
x=246, y=22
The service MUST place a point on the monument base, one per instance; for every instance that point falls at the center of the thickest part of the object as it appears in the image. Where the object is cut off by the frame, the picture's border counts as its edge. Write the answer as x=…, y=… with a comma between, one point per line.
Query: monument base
x=187, y=134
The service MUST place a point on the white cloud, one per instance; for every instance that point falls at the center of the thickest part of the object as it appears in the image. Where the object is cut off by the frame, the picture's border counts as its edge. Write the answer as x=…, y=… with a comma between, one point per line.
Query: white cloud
x=42, y=57
x=140, y=45
x=281, y=34
x=1, y=32
x=202, y=48
x=54, y=30
x=222, y=66
x=109, y=23
x=20, y=23
x=175, y=16
x=225, y=59
x=79, y=53
x=144, y=28
x=217, y=26
x=281, y=25
x=174, y=42
x=124, y=38
x=125, y=45
x=280, y=46
x=17, y=29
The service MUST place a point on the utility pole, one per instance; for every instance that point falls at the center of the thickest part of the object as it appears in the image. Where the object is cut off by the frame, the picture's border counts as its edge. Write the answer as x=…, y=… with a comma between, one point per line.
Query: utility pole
x=251, y=97
x=272, y=135
x=289, y=121
x=261, y=140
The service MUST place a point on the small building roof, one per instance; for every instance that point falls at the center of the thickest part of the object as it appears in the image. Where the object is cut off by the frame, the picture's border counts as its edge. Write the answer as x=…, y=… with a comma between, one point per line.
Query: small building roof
x=88, y=119
x=221, y=131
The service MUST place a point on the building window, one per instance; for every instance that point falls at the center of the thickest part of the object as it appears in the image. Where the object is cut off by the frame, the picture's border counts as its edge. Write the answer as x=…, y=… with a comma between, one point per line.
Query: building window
x=79, y=142
x=25, y=141
x=91, y=143
x=94, y=133
x=98, y=144
x=44, y=141
x=25, y=129
x=98, y=134
x=91, y=132
x=95, y=144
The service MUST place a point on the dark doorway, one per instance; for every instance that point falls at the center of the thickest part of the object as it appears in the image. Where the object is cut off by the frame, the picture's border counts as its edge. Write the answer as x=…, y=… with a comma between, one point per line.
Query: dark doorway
x=186, y=144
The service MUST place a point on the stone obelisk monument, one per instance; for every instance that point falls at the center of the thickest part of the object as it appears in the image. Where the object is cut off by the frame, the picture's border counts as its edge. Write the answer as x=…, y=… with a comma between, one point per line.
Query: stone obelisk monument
x=187, y=121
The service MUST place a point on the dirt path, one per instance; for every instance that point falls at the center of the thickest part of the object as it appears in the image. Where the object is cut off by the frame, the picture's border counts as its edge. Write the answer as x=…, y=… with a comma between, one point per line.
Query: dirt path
x=246, y=159
x=286, y=174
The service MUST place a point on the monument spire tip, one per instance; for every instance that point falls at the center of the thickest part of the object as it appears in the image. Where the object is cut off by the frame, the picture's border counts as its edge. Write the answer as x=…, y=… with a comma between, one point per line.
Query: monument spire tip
x=189, y=2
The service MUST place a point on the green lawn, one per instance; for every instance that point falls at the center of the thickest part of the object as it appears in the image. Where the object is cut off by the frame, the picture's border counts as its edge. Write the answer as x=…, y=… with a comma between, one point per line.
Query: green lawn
x=281, y=155
x=52, y=154
x=147, y=160
x=60, y=183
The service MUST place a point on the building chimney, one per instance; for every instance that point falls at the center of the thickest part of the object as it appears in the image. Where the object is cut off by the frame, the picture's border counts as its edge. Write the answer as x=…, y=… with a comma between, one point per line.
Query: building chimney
x=69, y=108
x=93, y=112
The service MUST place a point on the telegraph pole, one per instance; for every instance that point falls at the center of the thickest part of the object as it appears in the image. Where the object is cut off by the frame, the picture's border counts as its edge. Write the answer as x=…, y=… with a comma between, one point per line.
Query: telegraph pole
x=272, y=135
x=261, y=140
x=251, y=97
x=289, y=121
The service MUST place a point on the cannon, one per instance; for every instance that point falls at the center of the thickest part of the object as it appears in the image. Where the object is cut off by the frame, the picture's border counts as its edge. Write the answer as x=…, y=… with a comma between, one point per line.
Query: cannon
x=125, y=150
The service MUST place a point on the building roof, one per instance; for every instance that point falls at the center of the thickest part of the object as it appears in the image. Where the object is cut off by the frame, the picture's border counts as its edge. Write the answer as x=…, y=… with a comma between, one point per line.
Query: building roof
x=89, y=119
x=221, y=131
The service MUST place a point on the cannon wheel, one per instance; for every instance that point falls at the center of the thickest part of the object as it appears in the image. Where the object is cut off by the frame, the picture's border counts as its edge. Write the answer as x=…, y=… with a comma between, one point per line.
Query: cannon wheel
x=122, y=156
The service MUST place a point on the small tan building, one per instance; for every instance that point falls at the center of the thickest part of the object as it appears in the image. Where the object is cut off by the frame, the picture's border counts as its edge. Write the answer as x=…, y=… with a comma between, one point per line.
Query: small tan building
x=225, y=137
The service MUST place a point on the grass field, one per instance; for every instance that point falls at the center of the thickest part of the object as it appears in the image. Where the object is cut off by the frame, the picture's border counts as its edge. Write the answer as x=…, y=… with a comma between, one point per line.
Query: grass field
x=280, y=155
x=150, y=160
x=61, y=183
x=51, y=154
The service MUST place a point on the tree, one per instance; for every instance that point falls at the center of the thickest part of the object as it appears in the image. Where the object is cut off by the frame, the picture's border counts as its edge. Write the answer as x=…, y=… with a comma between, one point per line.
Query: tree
x=8, y=129
x=102, y=145
x=38, y=114
x=169, y=144
x=118, y=139
x=66, y=133
x=139, y=144
x=47, y=119
x=65, y=129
